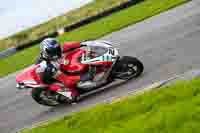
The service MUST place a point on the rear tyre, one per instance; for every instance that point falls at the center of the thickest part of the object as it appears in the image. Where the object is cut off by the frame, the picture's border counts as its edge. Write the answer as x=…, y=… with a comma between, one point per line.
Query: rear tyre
x=127, y=68
x=44, y=97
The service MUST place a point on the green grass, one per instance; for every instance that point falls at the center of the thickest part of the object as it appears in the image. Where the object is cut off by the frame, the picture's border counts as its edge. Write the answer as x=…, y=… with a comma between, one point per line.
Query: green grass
x=54, y=24
x=172, y=109
x=94, y=30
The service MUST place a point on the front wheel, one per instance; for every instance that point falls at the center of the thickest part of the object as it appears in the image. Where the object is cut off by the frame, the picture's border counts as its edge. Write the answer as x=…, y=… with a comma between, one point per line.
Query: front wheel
x=44, y=96
x=127, y=67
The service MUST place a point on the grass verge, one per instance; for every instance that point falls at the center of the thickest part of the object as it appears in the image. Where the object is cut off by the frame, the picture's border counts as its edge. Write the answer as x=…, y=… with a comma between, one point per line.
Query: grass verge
x=94, y=30
x=54, y=24
x=171, y=109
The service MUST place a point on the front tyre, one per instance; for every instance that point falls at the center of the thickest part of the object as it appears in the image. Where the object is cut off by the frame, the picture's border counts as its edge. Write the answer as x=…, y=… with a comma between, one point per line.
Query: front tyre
x=44, y=96
x=127, y=67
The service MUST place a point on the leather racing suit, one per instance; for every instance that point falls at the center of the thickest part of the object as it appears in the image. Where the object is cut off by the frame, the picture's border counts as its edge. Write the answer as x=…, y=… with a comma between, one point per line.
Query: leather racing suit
x=50, y=72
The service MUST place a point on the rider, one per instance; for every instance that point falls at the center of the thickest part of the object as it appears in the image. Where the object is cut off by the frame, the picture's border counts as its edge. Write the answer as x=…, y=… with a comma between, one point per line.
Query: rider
x=49, y=65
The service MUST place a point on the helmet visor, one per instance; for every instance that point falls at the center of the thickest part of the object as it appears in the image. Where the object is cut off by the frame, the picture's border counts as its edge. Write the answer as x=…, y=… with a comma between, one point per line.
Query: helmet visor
x=54, y=53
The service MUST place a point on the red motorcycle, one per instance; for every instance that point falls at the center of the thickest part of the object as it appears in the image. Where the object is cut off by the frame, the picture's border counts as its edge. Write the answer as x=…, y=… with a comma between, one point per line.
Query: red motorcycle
x=76, y=62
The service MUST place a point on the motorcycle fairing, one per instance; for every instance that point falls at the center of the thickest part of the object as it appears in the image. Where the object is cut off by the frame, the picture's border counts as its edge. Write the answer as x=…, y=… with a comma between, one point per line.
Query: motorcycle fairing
x=108, y=57
x=29, y=78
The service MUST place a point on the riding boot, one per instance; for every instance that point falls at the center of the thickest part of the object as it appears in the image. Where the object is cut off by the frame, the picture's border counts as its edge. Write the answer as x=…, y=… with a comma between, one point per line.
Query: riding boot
x=71, y=85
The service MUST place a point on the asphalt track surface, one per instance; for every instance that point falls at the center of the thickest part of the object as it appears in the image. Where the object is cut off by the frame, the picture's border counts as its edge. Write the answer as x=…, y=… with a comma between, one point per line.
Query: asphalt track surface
x=167, y=44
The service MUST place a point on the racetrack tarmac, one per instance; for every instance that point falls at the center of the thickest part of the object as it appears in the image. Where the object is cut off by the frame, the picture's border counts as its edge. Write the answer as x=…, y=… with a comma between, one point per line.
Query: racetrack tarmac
x=167, y=44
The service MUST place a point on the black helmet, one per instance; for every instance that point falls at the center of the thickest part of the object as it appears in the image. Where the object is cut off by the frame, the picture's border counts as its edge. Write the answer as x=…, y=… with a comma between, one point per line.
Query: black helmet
x=50, y=49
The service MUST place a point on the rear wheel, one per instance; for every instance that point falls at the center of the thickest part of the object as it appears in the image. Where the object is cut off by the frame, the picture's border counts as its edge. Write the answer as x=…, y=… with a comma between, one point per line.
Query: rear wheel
x=45, y=97
x=128, y=67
